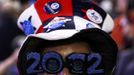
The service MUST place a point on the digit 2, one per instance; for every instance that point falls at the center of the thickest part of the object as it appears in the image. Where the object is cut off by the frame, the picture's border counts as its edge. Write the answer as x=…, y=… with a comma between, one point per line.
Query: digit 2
x=36, y=57
x=92, y=68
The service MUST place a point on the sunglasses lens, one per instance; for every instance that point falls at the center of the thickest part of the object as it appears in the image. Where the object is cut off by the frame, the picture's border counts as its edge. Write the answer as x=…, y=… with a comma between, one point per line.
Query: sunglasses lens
x=52, y=62
x=77, y=66
x=52, y=65
x=76, y=63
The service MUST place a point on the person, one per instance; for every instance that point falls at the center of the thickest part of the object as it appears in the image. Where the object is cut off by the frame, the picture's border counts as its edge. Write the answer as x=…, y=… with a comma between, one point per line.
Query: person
x=8, y=66
x=8, y=28
x=120, y=8
x=66, y=38
x=125, y=60
x=121, y=25
x=4, y=65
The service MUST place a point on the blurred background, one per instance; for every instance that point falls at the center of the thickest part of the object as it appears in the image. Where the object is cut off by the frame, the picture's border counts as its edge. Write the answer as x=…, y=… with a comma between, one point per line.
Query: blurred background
x=11, y=37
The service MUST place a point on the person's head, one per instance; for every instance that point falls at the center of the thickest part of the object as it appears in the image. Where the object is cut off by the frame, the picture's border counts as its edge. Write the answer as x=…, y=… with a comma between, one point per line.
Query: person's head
x=23, y=4
x=66, y=41
x=121, y=6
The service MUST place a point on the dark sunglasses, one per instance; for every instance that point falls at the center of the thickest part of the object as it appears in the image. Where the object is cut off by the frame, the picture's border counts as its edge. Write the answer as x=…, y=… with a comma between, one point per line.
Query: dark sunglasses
x=53, y=63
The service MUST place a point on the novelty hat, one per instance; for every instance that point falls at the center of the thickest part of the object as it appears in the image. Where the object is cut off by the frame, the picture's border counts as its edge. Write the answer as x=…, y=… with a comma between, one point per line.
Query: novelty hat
x=52, y=21
x=44, y=14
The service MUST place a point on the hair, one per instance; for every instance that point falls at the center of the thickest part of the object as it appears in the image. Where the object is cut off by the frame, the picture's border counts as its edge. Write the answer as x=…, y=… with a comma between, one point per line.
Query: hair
x=97, y=1
x=130, y=5
x=23, y=2
x=130, y=8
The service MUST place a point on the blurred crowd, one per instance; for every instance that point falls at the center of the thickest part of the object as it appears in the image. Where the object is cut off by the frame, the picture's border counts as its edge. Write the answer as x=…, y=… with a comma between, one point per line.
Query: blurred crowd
x=11, y=36
x=122, y=12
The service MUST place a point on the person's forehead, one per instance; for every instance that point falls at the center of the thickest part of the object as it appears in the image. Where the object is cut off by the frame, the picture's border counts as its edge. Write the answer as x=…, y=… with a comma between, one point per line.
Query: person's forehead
x=66, y=49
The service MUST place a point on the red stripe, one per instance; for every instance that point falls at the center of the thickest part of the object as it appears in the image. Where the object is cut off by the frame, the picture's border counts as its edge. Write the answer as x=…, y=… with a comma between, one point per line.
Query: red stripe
x=66, y=9
x=40, y=30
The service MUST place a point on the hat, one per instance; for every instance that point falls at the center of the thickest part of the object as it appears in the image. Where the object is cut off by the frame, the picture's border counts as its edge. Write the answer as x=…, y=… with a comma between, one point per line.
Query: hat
x=53, y=21
x=44, y=12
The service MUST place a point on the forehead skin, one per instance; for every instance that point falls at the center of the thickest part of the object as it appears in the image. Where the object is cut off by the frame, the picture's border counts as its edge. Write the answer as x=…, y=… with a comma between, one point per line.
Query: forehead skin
x=66, y=49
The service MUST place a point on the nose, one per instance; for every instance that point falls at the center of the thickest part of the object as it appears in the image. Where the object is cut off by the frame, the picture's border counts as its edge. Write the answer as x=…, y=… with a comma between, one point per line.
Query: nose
x=65, y=71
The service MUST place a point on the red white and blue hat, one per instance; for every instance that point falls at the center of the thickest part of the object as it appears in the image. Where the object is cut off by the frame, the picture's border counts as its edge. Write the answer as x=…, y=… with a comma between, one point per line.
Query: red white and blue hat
x=59, y=19
x=56, y=20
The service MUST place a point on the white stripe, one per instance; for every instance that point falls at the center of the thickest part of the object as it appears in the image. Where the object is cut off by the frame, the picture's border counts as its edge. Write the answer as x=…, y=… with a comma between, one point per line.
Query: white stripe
x=56, y=35
x=31, y=11
x=108, y=24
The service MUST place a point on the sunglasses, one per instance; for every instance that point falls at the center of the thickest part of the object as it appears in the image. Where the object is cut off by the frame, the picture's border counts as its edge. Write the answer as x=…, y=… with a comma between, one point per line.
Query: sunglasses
x=53, y=63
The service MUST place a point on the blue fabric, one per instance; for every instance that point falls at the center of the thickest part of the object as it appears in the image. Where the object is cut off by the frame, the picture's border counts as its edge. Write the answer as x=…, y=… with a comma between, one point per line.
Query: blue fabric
x=30, y=2
x=125, y=64
x=27, y=27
